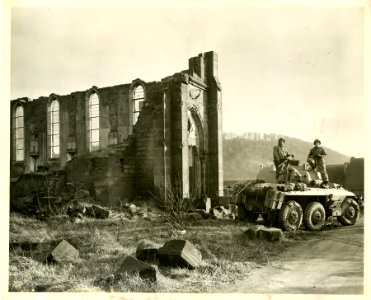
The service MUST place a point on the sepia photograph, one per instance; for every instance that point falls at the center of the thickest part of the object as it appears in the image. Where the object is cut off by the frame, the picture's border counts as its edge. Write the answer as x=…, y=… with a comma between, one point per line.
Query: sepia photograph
x=184, y=148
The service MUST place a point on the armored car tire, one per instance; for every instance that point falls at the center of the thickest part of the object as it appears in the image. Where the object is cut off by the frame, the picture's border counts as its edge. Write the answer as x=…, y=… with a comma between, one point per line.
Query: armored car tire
x=314, y=216
x=290, y=216
x=350, y=212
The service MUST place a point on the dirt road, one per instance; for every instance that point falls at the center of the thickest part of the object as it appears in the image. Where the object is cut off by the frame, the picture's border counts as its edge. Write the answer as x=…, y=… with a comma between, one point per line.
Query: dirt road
x=329, y=264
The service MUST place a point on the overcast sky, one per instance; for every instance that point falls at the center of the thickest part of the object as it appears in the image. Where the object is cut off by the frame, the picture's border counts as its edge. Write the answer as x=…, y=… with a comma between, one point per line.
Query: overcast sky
x=293, y=71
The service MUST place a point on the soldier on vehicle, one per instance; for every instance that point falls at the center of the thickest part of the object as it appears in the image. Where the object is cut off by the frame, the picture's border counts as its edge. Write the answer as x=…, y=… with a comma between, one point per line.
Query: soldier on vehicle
x=317, y=162
x=281, y=158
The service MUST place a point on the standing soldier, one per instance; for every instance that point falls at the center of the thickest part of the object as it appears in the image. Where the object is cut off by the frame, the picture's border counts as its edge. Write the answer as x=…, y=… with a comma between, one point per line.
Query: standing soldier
x=281, y=157
x=316, y=159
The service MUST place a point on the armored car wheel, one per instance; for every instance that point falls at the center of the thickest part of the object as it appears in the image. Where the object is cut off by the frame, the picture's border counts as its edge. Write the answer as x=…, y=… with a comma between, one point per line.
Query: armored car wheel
x=314, y=216
x=290, y=216
x=350, y=212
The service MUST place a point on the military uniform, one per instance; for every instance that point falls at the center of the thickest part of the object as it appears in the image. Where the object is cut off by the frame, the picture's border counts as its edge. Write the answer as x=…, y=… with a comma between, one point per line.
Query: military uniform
x=316, y=160
x=279, y=157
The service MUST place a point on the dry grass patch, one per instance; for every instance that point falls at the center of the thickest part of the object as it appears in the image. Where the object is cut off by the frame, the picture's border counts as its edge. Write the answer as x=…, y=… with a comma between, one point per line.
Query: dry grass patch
x=103, y=244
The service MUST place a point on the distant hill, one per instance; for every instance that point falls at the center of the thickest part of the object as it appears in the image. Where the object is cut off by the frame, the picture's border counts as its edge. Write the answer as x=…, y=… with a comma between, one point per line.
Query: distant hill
x=243, y=157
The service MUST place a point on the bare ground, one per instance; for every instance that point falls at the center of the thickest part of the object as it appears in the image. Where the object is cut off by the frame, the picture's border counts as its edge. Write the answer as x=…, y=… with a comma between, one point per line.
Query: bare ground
x=330, y=263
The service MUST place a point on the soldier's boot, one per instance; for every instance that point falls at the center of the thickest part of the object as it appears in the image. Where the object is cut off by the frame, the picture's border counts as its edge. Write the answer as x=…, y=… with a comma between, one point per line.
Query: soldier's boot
x=325, y=185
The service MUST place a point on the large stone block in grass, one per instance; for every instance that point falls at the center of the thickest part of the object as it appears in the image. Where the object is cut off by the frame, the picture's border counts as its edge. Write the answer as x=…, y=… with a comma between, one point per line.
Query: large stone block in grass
x=264, y=233
x=64, y=252
x=131, y=265
x=147, y=250
x=270, y=234
x=179, y=253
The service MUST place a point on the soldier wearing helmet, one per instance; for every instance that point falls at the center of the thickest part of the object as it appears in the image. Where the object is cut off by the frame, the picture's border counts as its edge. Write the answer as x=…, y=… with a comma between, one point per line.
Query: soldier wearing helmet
x=281, y=158
x=316, y=159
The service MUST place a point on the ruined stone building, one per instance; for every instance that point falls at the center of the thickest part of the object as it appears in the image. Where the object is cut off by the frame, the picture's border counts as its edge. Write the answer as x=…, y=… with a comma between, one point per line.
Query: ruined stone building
x=125, y=140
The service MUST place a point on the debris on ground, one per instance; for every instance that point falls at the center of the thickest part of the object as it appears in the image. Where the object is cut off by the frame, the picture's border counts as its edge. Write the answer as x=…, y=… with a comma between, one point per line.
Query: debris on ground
x=270, y=234
x=97, y=211
x=131, y=265
x=179, y=253
x=222, y=213
x=64, y=252
x=147, y=250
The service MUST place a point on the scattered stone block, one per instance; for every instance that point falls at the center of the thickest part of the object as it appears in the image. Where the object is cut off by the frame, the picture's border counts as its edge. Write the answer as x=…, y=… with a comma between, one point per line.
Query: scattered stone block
x=251, y=232
x=64, y=252
x=264, y=233
x=270, y=234
x=97, y=212
x=147, y=250
x=179, y=253
x=132, y=265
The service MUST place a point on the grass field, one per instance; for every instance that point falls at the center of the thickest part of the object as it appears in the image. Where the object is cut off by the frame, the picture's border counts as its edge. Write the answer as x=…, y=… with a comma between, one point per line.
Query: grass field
x=103, y=244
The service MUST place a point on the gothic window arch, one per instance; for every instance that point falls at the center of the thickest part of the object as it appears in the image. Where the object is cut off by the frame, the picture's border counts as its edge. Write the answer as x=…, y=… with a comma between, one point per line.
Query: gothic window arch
x=19, y=133
x=54, y=129
x=138, y=99
x=93, y=121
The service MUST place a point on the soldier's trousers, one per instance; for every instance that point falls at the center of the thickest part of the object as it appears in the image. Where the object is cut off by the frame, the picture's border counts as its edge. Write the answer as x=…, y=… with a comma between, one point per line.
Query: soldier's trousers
x=321, y=167
x=280, y=169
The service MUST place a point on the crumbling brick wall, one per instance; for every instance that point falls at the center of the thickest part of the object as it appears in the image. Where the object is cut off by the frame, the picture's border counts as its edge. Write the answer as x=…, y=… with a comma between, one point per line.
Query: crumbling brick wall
x=133, y=159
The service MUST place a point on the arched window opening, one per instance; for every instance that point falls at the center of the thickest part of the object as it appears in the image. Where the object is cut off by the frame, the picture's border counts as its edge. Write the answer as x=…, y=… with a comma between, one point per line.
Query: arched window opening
x=19, y=134
x=94, y=122
x=54, y=129
x=138, y=99
x=194, y=160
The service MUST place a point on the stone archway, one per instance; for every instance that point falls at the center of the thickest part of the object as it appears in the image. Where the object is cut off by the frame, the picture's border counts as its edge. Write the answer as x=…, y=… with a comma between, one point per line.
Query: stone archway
x=196, y=155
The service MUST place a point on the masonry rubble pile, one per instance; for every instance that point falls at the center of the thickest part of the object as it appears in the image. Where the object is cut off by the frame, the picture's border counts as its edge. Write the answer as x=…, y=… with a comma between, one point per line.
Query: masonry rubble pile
x=174, y=253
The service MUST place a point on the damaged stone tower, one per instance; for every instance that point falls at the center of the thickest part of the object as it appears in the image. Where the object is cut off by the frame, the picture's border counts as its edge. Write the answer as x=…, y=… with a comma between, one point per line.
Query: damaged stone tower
x=126, y=140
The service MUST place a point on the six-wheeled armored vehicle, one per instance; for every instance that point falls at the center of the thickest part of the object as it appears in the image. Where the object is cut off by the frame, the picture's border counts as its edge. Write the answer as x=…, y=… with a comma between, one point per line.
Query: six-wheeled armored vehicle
x=301, y=198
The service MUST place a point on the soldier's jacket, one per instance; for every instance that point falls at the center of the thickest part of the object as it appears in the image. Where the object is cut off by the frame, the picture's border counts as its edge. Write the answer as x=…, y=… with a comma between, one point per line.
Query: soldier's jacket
x=317, y=150
x=279, y=154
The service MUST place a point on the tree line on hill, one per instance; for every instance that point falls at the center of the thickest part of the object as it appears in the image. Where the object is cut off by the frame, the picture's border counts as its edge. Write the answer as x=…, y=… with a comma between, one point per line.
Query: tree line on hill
x=243, y=157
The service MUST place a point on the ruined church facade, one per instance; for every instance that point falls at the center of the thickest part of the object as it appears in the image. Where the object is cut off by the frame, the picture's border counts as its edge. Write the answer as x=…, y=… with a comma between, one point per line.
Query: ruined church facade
x=126, y=140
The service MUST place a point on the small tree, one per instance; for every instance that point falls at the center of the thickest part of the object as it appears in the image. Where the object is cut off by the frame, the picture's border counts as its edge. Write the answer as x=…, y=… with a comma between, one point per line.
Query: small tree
x=170, y=198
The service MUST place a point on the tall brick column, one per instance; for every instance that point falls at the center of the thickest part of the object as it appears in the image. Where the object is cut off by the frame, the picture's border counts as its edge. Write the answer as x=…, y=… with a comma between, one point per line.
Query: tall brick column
x=214, y=108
